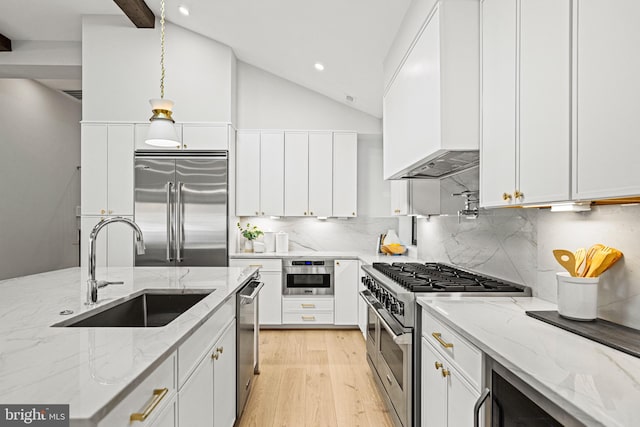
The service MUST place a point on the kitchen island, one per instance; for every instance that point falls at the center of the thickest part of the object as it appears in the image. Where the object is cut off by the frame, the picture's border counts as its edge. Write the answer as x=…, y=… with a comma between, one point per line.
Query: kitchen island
x=93, y=369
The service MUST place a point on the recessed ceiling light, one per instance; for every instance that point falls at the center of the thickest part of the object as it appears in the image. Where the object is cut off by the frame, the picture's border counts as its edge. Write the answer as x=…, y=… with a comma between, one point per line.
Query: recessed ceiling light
x=183, y=10
x=318, y=66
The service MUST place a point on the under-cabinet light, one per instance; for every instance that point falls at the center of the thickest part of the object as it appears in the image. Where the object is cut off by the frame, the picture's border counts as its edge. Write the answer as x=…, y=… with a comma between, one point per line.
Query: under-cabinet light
x=571, y=207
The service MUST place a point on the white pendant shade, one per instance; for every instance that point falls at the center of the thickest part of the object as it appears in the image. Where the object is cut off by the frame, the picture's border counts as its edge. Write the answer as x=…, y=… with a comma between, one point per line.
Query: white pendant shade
x=162, y=132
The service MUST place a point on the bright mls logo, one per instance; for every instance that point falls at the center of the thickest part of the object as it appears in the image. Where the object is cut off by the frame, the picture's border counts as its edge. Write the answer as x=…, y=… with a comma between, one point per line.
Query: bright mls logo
x=34, y=415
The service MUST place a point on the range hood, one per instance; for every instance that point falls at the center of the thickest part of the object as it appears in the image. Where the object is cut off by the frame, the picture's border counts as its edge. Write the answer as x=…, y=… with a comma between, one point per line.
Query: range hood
x=441, y=164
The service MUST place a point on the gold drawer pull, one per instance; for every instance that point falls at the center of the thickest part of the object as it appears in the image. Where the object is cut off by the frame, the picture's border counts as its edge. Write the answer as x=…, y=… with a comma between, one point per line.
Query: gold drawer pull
x=158, y=395
x=215, y=356
x=438, y=337
x=445, y=372
x=438, y=365
x=308, y=318
x=256, y=265
x=308, y=305
x=220, y=349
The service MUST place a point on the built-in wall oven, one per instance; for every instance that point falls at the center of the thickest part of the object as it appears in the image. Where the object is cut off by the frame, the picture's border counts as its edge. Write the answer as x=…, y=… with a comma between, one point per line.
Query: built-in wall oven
x=308, y=276
x=512, y=402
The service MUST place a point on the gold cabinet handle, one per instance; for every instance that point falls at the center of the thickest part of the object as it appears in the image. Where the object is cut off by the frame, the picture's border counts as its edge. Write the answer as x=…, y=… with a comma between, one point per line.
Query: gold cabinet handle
x=256, y=265
x=257, y=213
x=184, y=145
x=110, y=211
x=308, y=305
x=438, y=365
x=310, y=213
x=220, y=349
x=102, y=211
x=178, y=147
x=445, y=372
x=398, y=210
x=518, y=195
x=262, y=213
x=308, y=318
x=215, y=356
x=337, y=262
x=158, y=395
x=438, y=337
x=305, y=213
x=353, y=213
x=506, y=196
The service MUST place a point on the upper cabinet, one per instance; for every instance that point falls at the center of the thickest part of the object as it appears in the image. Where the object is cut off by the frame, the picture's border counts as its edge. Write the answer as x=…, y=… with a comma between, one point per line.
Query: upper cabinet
x=526, y=100
x=607, y=90
x=191, y=136
x=298, y=173
x=107, y=169
x=431, y=105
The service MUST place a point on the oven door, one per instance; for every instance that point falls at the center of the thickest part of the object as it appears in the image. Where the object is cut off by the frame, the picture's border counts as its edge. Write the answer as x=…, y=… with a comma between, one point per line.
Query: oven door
x=390, y=351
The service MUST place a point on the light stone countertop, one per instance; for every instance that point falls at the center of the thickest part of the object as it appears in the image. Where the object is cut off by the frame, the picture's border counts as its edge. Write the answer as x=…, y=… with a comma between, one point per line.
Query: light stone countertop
x=367, y=258
x=594, y=383
x=92, y=369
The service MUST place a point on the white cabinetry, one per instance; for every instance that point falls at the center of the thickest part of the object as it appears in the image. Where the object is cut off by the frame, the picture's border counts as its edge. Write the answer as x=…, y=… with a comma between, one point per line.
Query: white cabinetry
x=114, y=246
x=296, y=173
x=415, y=197
x=345, y=174
x=107, y=169
x=362, y=306
x=526, y=96
x=191, y=136
x=224, y=379
x=307, y=310
x=260, y=173
x=432, y=104
x=451, y=376
x=346, y=291
x=607, y=89
x=270, y=298
x=321, y=171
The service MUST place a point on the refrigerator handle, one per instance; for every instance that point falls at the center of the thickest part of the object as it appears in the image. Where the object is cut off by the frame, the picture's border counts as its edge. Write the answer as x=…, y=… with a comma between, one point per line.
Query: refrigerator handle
x=169, y=228
x=179, y=223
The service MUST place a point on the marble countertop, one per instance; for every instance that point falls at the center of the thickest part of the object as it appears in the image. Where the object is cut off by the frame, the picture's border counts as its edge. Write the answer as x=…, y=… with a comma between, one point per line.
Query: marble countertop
x=91, y=369
x=596, y=384
x=367, y=258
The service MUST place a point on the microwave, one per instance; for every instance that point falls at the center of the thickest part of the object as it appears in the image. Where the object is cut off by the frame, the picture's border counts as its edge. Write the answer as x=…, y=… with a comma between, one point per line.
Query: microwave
x=308, y=276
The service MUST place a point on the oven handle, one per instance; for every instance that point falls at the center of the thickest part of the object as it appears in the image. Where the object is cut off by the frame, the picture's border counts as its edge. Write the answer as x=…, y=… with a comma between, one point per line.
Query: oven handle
x=476, y=408
x=401, y=339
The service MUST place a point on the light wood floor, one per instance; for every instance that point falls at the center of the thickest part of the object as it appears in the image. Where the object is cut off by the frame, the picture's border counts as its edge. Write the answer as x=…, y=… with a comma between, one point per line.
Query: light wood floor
x=314, y=378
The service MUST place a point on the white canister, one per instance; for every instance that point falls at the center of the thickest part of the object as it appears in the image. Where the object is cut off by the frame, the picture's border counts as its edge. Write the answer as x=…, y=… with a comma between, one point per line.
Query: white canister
x=269, y=241
x=282, y=242
x=577, y=297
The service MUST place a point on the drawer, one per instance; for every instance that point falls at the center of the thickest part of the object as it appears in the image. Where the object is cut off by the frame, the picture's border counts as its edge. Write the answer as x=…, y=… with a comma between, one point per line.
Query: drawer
x=466, y=357
x=150, y=391
x=263, y=264
x=311, y=318
x=193, y=349
x=290, y=304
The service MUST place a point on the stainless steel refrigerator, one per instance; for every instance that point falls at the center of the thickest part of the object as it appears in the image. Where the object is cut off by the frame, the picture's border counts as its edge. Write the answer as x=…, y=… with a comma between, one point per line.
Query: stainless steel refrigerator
x=181, y=207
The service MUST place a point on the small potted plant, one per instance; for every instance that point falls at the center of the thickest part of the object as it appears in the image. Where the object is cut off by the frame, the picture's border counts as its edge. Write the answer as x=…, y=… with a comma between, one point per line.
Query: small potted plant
x=250, y=232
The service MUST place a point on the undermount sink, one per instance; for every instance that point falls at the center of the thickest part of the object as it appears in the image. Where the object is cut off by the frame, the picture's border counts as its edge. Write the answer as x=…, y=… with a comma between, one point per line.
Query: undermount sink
x=147, y=309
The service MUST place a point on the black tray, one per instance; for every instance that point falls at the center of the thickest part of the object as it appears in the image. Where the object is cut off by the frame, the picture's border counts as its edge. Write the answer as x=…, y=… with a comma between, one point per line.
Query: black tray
x=602, y=331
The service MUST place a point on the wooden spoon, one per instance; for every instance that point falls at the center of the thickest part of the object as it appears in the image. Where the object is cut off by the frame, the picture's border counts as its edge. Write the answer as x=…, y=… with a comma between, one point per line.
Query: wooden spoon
x=566, y=259
x=612, y=256
x=581, y=254
x=597, y=261
x=589, y=258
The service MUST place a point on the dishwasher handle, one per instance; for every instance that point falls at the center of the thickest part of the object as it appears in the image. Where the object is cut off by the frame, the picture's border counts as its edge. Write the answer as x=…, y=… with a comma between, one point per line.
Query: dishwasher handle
x=248, y=299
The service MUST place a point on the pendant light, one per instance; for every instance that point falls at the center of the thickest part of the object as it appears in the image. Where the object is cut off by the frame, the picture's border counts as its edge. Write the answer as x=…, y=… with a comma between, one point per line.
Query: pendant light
x=162, y=132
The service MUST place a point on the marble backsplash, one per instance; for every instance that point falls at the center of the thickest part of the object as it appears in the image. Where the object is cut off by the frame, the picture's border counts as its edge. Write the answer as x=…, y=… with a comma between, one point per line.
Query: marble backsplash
x=358, y=234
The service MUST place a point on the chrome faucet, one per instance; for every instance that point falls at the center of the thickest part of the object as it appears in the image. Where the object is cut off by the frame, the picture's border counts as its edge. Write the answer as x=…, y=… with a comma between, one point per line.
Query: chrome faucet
x=92, y=284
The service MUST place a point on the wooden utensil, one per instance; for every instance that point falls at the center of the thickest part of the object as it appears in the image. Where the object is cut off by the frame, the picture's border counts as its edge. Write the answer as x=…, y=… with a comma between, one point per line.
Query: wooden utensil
x=566, y=259
x=589, y=258
x=581, y=254
x=607, y=256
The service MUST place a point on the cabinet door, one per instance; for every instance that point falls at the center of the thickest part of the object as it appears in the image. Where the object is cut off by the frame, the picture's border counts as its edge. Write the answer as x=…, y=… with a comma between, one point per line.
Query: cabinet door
x=93, y=174
x=120, y=169
x=321, y=153
x=345, y=174
x=204, y=137
x=224, y=380
x=167, y=418
x=270, y=299
x=399, y=197
x=606, y=149
x=272, y=173
x=498, y=144
x=248, y=173
x=86, y=225
x=461, y=398
x=346, y=292
x=545, y=97
x=434, y=389
x=296, y=173
x=196, y=397
x=120, y=244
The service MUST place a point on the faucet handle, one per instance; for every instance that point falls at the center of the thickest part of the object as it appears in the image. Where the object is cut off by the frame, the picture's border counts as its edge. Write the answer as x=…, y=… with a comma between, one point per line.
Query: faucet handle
x=103, y=283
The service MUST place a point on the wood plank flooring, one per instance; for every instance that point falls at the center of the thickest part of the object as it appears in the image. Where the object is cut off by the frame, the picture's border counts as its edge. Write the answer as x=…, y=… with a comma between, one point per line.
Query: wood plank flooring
x=314, y=378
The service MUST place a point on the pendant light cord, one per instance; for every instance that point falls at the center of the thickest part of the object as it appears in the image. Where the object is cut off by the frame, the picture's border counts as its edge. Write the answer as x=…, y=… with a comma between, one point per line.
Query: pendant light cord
x=162, y=50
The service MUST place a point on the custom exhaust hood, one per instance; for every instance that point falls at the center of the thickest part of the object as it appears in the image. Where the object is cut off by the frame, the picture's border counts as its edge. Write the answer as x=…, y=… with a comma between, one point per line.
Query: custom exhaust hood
x=441, y=164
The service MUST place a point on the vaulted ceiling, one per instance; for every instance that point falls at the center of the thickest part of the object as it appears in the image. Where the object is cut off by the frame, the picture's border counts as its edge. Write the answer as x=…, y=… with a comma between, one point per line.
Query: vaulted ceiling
x=285, y=37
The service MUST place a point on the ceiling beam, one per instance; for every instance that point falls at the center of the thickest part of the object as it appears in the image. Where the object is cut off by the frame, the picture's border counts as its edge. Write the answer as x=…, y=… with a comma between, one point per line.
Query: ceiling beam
x=138, y=12
x=5, y=44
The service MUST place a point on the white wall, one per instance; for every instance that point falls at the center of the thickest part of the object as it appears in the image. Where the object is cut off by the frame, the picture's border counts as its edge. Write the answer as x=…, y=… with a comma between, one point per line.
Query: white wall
x=266, y=101
x=121, y=72
x=39, y=153
x=374, y=193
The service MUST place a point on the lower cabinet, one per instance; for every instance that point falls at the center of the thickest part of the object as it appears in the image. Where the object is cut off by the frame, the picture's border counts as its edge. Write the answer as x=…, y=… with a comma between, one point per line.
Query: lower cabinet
x=346, y=291
x=307, y=310
x=270, y=299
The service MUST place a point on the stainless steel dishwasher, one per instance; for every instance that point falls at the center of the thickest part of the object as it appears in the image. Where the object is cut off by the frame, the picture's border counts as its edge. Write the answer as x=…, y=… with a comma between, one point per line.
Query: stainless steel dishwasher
x=247, y=340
